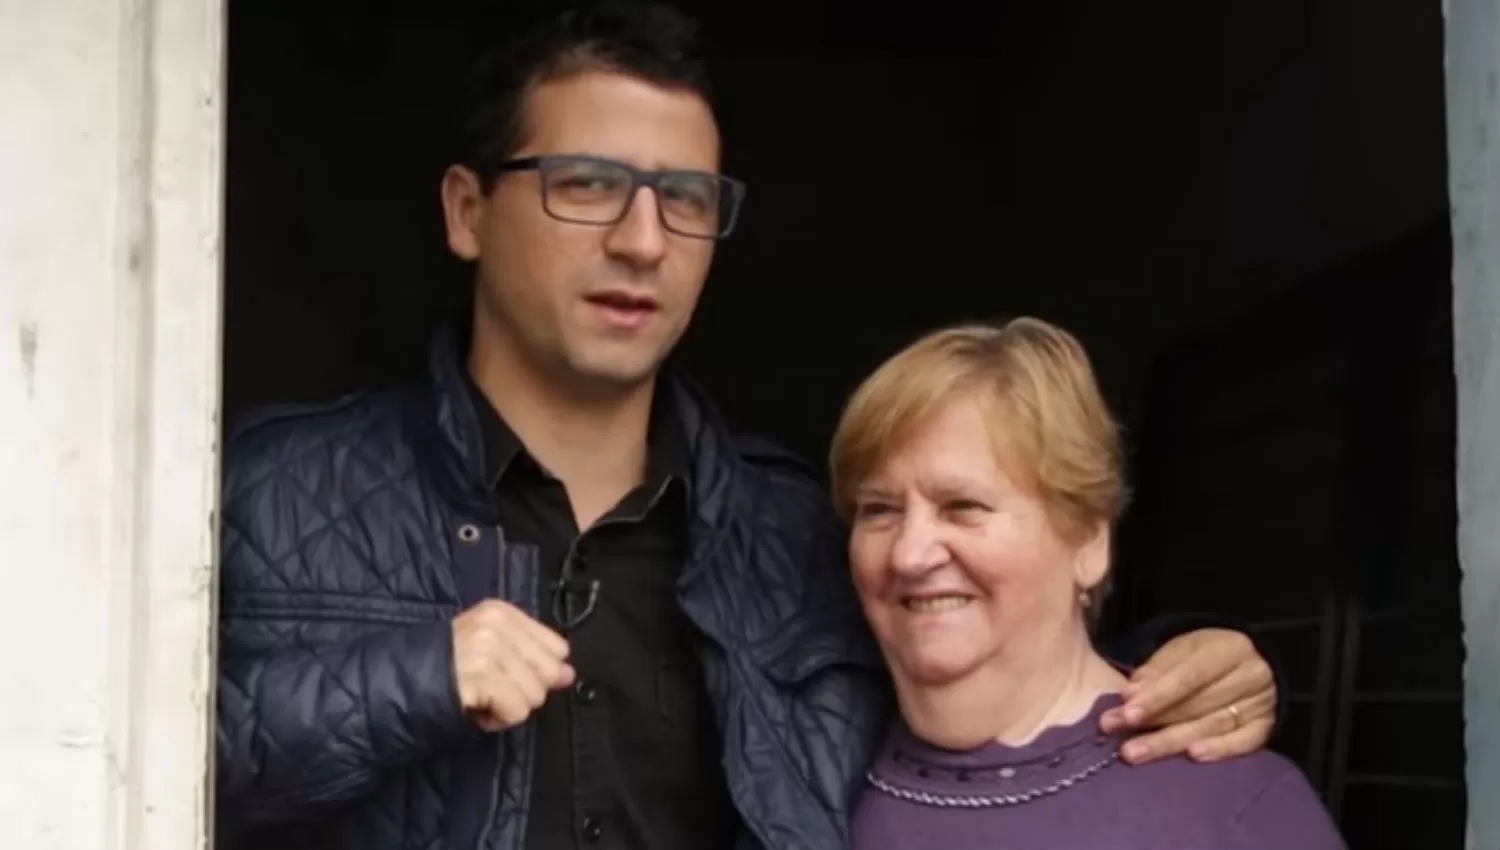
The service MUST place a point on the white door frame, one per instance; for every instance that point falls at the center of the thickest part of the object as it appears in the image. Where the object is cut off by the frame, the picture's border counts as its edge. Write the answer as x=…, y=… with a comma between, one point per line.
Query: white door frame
x=111, y=174
x=1473, y=66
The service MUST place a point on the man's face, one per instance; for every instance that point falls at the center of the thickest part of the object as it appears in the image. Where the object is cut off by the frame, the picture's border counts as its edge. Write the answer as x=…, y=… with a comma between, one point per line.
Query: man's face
x=599, y=306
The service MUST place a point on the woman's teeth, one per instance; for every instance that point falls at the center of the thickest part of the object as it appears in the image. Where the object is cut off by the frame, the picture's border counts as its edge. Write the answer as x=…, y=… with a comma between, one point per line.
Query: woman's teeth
x=935, y=604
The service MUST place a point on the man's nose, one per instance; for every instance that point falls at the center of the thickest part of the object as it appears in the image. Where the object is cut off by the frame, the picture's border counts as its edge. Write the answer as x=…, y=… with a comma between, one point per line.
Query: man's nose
x=639, y=237
x=918, y=547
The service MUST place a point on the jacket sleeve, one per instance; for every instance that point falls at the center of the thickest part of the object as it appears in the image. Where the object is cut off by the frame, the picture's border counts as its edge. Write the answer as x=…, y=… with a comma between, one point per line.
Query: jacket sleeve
x=303, y=722
x=301, y=729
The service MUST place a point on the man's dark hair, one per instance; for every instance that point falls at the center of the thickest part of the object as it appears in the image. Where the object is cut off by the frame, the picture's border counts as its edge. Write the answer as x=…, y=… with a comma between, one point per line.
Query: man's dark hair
x=650, y=41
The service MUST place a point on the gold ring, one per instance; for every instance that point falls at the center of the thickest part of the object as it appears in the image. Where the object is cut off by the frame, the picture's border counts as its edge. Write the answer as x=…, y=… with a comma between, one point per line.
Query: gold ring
x=1234, y=712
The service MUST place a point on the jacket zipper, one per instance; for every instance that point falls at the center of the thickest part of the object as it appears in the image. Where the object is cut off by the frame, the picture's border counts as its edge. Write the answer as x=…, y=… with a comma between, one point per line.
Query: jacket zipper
x=489, y=817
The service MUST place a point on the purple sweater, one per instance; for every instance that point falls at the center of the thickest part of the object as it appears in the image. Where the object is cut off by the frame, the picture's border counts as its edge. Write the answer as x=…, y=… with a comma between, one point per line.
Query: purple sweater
x=1067, y=789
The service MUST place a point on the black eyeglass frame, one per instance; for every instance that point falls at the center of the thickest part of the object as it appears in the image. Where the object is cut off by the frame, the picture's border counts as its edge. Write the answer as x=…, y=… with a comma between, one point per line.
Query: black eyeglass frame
x=639, y=178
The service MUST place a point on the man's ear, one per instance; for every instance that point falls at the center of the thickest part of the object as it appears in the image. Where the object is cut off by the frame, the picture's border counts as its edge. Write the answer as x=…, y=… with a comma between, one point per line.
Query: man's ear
x=463, y=209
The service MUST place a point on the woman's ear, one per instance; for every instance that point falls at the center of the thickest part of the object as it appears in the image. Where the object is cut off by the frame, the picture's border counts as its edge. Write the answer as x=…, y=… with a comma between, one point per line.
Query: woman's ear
x=1091, y=564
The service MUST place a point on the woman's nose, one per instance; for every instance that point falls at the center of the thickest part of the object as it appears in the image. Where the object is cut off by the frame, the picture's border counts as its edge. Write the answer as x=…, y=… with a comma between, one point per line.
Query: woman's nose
x=918, y=547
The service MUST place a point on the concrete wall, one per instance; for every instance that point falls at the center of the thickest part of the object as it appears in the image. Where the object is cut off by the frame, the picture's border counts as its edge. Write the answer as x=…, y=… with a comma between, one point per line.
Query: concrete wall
x=110, y=221
x=1474, y=169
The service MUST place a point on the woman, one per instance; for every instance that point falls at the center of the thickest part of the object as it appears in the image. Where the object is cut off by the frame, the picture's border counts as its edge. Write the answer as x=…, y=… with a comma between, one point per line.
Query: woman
x=980, y=472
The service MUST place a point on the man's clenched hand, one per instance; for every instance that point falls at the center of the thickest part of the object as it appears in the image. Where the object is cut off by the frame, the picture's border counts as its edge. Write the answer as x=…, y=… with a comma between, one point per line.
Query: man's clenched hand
x=506, y=664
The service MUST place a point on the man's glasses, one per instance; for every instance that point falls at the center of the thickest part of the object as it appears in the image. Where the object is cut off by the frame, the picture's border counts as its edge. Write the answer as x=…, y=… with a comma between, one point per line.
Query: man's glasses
x=593, y=190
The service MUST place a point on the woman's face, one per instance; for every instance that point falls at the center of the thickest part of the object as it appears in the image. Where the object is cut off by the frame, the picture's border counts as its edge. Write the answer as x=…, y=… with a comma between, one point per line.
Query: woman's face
x=956, y=565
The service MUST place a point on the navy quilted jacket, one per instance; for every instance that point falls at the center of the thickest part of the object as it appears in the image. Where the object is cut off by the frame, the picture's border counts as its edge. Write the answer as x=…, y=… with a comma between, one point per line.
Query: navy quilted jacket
x=339, y=726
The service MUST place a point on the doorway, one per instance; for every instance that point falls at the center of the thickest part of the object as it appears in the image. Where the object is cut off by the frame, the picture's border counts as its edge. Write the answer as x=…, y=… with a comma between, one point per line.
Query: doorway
x=1240, y=208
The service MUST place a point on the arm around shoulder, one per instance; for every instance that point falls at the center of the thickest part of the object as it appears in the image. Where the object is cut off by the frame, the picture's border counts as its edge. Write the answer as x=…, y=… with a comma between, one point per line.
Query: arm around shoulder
x=1207, y=651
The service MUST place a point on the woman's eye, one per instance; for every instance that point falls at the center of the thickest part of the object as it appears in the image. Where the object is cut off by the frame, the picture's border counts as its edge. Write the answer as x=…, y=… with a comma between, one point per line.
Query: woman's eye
x=964, y=506
x=872, y=509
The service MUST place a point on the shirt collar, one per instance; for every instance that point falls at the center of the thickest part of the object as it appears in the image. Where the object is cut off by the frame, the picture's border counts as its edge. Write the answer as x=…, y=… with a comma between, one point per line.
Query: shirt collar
x=667, y=453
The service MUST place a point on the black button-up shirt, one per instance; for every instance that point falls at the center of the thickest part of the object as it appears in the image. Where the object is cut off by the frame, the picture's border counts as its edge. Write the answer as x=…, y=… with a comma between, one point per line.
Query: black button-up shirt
x=630, y=757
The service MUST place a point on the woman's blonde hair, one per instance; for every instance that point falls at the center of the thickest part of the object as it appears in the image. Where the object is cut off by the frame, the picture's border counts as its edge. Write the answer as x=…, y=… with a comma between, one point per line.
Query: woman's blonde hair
x=1047, y=418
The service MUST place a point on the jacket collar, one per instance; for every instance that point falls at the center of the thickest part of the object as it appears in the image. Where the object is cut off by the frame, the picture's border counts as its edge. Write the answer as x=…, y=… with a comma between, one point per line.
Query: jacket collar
x=452, y=427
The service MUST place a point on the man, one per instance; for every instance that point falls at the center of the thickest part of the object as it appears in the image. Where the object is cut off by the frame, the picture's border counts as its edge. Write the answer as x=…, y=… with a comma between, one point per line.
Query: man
x=545, y=600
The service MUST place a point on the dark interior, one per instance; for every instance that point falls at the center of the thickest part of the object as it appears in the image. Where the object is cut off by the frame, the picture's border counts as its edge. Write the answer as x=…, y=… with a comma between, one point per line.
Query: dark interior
x=1239, y=206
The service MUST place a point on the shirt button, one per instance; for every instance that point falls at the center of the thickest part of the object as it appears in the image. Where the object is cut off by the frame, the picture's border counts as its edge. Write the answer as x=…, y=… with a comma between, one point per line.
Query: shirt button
x=586, y=691
x=592, y=830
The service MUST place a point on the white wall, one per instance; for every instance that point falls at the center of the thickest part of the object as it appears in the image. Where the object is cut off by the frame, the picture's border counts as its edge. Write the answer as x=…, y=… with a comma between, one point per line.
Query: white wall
x=1473, y=30
x=110, y=173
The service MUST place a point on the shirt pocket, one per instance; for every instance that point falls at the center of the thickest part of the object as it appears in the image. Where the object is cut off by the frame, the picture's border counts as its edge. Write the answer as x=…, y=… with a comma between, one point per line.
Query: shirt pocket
x=681, y=698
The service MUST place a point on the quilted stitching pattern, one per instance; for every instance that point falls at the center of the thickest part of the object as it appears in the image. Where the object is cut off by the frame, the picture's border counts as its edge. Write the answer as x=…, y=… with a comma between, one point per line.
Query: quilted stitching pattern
x=338, y=723
x=336, y=662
